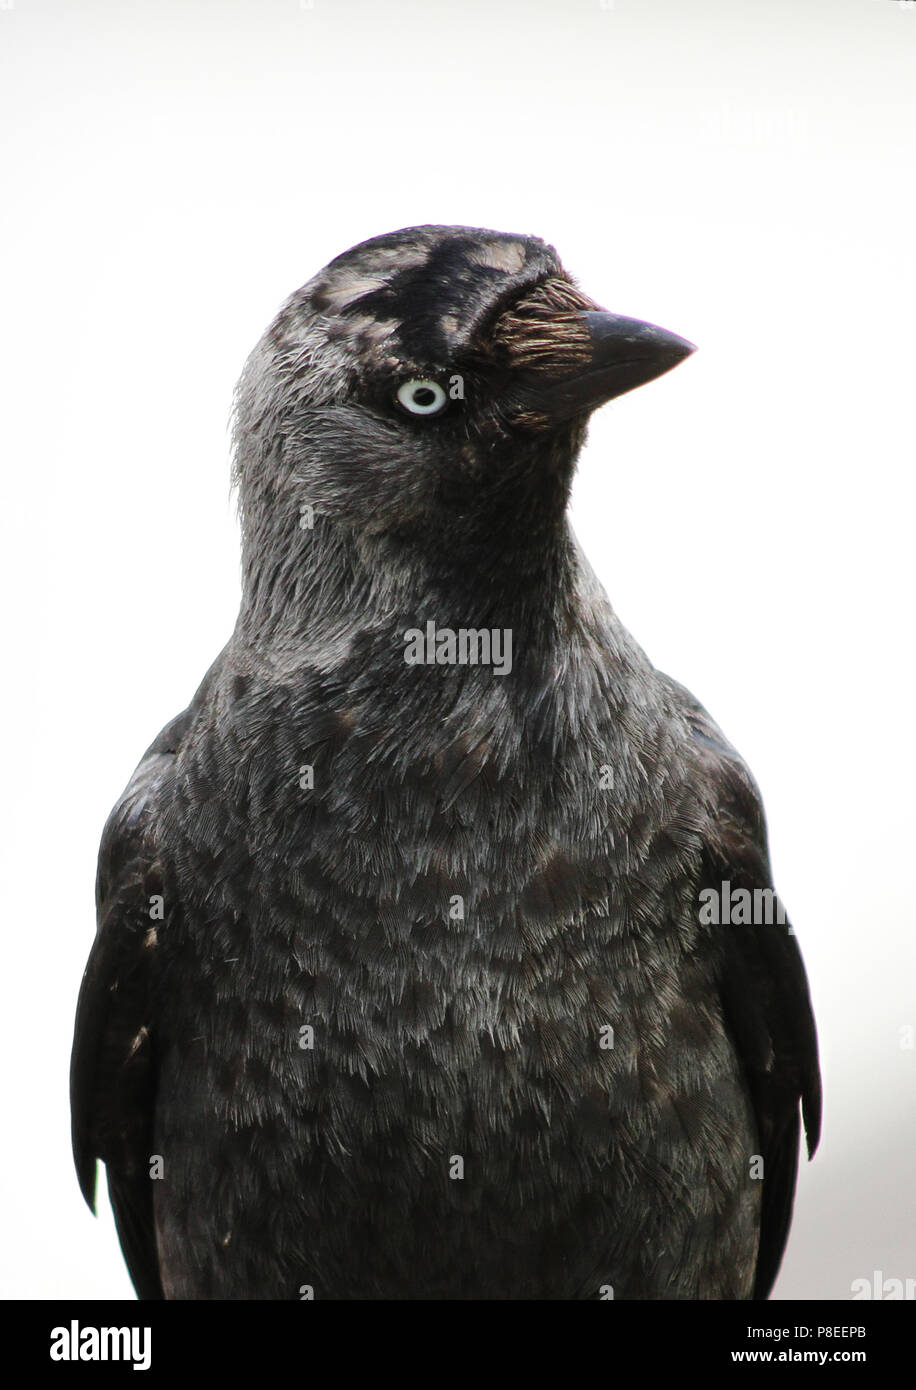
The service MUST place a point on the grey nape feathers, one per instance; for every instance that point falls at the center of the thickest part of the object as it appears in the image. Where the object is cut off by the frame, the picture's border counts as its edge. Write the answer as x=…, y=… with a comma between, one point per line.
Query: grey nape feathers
x=406, y=982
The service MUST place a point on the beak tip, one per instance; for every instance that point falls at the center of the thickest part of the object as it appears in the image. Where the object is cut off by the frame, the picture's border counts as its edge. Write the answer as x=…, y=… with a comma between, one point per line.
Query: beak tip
x=672, y=349
x=681, y=349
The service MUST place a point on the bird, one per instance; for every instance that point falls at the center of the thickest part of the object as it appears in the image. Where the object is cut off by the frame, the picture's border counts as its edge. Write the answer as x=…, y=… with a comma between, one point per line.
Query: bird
x=405, y=983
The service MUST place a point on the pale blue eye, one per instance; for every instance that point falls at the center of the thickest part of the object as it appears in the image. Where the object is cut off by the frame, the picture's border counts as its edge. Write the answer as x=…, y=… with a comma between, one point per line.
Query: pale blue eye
x=422, y=397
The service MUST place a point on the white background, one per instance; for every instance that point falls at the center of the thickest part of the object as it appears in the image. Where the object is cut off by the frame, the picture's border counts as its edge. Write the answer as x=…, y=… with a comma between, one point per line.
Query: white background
x=740, y=171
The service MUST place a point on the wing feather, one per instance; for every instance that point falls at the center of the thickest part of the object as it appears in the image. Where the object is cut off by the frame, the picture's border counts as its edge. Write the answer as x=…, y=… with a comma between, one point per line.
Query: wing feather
x=113, y=1071
x=762, y=983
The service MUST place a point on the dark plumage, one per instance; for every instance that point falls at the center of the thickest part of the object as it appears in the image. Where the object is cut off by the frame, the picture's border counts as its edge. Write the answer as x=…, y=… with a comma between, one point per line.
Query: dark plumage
x=575, y=807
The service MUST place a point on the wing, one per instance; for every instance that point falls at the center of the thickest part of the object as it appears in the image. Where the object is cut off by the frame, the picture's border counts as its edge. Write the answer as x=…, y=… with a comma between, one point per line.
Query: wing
x=762, y=983
x=112, y=1071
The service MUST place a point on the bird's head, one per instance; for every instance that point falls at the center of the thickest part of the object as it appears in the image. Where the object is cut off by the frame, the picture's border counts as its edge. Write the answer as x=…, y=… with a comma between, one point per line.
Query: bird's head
x=431, y=387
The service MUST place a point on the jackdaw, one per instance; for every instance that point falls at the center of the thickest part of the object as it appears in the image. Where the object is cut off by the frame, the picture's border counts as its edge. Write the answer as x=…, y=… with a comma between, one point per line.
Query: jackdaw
x=438, y=955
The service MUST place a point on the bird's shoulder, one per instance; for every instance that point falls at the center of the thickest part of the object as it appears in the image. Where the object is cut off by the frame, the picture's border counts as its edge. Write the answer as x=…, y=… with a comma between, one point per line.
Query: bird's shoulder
x=734, y=820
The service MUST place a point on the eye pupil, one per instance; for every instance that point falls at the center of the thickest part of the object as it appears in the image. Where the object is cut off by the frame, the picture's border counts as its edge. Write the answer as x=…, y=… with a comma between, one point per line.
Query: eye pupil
x=424, y=396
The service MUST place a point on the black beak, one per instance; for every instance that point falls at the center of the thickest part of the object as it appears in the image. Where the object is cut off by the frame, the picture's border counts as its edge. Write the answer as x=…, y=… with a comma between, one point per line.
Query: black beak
x=626, y=353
